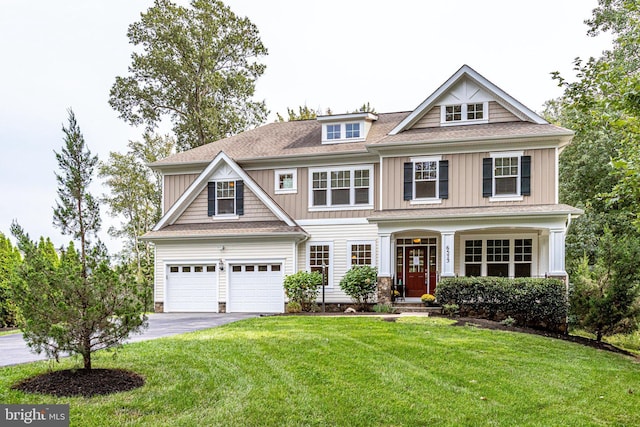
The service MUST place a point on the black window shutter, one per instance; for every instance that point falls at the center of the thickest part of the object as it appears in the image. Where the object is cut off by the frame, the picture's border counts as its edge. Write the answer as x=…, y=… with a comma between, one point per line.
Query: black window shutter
x=408, y=181
x=211, y=197
x=239, y=198
x=487, y=177
x=443, y=184
x=525, y=175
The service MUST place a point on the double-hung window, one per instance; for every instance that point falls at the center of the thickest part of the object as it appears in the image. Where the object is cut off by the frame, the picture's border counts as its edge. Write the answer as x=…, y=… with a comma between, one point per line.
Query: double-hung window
x=426, y=180
x=506, y=176
x=226, y=197
x=319, y=257
x=361, y=253
x=341, y=187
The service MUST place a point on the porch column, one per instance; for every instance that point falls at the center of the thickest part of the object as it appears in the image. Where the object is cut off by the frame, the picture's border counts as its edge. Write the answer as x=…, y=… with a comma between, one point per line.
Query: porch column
x=384, y=262
x=384, y=270
x=448, y=250
x=556, y=252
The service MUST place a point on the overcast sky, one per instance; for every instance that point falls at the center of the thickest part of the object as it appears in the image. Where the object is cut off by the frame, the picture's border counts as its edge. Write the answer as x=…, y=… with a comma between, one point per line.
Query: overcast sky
x=337, y=54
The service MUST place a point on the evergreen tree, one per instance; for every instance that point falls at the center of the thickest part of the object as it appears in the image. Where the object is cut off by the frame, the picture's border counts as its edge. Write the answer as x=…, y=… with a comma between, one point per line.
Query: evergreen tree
x=77, y=212
x=9, y=260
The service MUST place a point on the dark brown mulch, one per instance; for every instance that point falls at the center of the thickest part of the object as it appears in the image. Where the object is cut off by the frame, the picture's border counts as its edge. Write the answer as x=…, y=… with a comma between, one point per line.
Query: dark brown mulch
x=80, y=382
x=490, y=324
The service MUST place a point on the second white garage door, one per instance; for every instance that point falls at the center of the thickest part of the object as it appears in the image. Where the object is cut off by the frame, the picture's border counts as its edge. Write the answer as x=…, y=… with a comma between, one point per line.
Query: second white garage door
x=255, y=288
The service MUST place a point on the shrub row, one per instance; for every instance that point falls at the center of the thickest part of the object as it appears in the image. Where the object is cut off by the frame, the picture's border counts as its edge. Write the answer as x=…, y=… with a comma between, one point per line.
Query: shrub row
x=538, y=303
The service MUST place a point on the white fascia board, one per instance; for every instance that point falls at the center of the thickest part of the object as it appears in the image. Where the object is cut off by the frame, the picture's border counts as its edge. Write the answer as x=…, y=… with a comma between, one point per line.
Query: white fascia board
x=343, y=117
x=196, y=186
x=465, y=70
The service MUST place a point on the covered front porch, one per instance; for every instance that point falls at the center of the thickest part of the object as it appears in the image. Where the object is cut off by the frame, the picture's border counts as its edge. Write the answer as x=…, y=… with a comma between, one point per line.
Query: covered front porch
x=416, y=252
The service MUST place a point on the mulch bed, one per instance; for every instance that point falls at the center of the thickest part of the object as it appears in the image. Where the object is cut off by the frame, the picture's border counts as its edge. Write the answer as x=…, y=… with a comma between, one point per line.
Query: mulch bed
x=490, y=324
x=80, y=382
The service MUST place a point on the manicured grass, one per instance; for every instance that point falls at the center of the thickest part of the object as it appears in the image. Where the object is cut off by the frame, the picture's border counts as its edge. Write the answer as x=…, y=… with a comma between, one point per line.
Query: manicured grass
x=9, y=331
x=357, y=371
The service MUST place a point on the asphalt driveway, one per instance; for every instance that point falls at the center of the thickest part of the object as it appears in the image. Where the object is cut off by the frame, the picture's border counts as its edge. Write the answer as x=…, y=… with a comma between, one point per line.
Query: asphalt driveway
x=13, y=349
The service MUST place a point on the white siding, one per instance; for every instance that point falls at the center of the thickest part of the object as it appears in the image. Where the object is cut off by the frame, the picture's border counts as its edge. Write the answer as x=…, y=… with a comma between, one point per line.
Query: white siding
x=339, y=235
x=251, y=250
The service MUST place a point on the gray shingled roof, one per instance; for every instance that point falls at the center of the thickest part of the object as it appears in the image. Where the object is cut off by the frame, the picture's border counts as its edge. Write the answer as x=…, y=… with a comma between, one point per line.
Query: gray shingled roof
x=303, y=138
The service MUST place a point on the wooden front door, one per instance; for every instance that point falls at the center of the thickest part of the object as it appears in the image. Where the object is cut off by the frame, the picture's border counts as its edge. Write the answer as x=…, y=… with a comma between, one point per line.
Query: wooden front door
x=415, y=271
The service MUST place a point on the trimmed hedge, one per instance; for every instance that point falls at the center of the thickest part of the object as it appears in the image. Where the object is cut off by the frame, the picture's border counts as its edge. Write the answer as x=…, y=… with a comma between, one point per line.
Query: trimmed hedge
x=537, y=303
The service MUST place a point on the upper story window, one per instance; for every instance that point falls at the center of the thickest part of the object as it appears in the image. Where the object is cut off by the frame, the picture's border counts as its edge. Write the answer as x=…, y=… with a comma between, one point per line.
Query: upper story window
x=352, y=130
x=343, y=128
x=333, y=131
x=286, y=181
x=466, y=113
x=506, y=176
x=426, y=180
x=226, y=198
x=341, y=187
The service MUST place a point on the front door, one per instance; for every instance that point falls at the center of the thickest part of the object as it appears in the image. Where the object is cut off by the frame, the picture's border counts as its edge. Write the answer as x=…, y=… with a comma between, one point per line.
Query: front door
x=415, y=271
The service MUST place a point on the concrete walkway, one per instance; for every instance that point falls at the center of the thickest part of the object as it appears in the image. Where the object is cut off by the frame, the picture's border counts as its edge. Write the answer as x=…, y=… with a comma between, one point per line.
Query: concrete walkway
x=13, y=349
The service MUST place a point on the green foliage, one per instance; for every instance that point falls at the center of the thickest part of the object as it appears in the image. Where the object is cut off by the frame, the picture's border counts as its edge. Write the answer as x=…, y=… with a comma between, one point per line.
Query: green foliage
x=294, y=307
x=384, y=308
x=136, y=198
x=450, y=309
x=365, y=108
x=303, y=288
x=304, y=113
x=197, y=66
x=427, y=298
x=604, y=297
x=531, y=302
x=77, y=212
x=10, y=259
x=360, y=283
x=66, y=311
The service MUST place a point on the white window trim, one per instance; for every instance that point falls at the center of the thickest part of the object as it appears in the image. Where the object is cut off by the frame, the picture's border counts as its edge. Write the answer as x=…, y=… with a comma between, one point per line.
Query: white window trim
x=511, y=237
x=343, y=132
x=352, y=206
x=506, y=197
x=331, y=259
x=277, y=174
x=464, y=121
x=425, y=200
x=221, y=216
x=350, y=243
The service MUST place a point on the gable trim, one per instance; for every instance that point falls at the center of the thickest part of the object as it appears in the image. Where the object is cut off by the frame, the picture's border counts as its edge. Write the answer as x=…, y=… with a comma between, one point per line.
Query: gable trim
x=508, y=102
x=200, y=184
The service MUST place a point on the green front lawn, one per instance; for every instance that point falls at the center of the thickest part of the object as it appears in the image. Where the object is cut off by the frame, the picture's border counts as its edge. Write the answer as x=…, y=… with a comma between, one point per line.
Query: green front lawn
x=363, y=371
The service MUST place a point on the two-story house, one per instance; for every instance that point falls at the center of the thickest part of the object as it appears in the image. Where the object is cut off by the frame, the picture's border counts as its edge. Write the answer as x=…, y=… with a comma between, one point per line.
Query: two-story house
x=466, y=184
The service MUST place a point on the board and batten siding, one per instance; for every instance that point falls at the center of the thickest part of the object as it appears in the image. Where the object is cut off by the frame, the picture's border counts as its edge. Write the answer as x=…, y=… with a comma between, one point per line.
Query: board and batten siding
x=340, y=235
x=465, y=181
x=254, y=210
x=297, y=204
x=497, y=114
x=211, y=252
x=174, y=187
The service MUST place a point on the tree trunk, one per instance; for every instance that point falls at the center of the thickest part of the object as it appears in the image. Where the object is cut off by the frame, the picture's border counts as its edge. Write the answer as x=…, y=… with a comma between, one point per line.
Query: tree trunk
x=86, y=353
x=599, y=336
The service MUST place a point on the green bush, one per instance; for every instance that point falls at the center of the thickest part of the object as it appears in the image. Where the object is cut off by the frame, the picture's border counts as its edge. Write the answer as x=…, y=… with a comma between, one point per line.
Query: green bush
x=294, y=307
x=360, y=283
x=303, y=288
x=384, y=308
x=540, y=303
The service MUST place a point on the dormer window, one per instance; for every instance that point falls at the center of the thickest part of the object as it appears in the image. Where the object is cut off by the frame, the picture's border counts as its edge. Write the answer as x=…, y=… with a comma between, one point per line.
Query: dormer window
x=333, y=131
x=468, y=113
x=346, y=128
x=352, y=130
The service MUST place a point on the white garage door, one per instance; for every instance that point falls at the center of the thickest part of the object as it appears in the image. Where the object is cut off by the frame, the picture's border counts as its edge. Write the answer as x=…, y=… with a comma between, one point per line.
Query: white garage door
x=192, y=288
x=255, y=288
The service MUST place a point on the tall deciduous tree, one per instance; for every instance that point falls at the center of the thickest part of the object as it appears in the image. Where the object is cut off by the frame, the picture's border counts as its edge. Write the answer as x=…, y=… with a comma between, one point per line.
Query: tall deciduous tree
x=196, y=65
x=67, y=312
x=602, y=106
x=77, y=212
x=136, y=197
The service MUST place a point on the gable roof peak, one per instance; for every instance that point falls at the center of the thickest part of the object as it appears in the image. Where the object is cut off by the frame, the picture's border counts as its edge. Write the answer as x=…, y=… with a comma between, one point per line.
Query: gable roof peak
x=466, y=72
